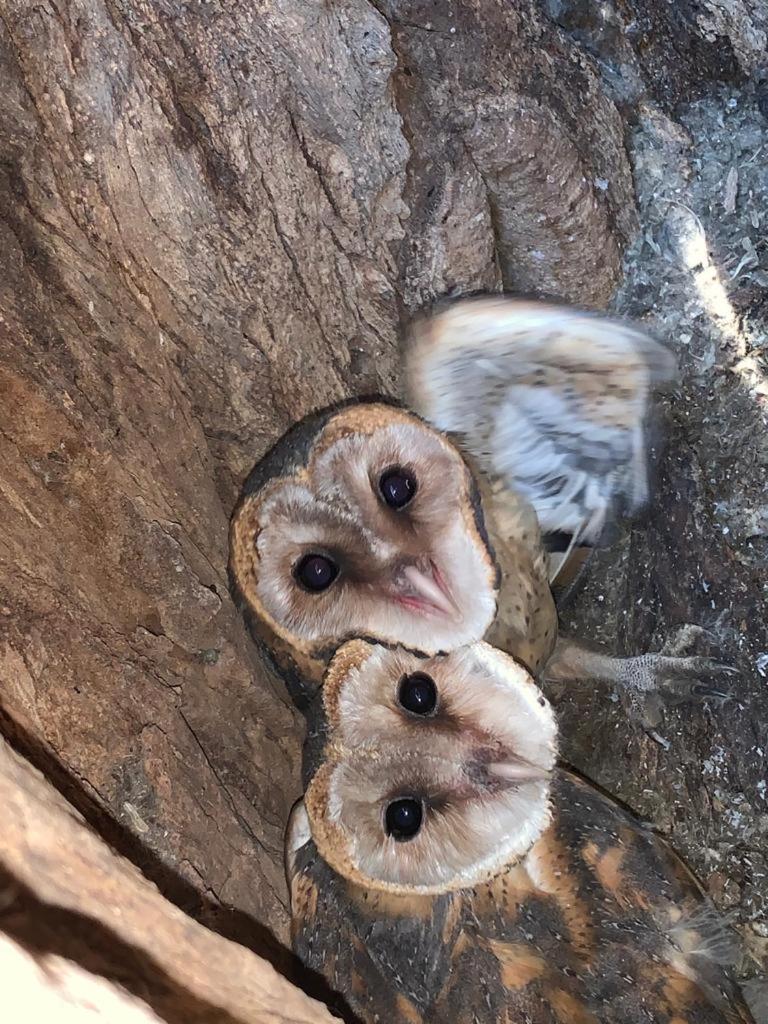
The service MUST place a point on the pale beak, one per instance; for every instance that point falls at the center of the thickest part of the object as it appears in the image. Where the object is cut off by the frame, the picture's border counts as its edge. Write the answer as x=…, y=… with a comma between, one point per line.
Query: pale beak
x=517, y=771
x=427, y=588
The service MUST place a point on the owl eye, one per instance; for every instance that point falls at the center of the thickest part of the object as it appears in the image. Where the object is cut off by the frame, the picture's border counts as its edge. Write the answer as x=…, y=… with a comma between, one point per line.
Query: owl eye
x=403, y=818
x=397, y=487
x=316, y=572
x=417, y=693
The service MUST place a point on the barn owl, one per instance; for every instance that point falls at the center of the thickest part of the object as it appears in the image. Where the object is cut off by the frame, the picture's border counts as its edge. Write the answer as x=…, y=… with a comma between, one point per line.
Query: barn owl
x=368, y=520
x=442, y=868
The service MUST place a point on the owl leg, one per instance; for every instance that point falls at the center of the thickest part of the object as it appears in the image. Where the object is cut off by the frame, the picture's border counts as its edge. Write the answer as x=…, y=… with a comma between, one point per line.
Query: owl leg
x=648, y=680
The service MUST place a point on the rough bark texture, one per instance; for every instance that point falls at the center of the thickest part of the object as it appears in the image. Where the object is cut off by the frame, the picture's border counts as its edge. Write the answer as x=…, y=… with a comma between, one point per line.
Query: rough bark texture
x=213, y=218
x=84, y=936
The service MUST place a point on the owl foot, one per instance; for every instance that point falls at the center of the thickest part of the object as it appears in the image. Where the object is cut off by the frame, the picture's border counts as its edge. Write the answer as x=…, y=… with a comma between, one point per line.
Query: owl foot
x=674, y=677
x=649, y=681
x=680, y=674
x=653, y=680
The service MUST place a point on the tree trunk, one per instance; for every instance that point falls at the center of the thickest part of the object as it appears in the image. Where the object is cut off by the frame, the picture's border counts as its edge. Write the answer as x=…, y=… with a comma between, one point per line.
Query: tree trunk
x=83, y=936
x=213, y=218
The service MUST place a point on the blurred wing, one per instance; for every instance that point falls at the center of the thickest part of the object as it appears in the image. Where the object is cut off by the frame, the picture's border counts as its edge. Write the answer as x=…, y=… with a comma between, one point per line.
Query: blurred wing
x=550, y=400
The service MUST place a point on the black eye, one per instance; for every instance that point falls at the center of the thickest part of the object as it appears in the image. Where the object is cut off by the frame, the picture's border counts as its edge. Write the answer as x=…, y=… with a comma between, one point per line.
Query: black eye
x=397, y=487
x=403, y=818
x=316, y=572
x=417, y=693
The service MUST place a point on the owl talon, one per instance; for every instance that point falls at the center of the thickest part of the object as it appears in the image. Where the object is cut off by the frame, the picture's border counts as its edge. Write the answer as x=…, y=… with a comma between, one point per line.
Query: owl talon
x=686, y=678
x=648, y=681
x=658, y=679
x=708, y=692
x=686, y=638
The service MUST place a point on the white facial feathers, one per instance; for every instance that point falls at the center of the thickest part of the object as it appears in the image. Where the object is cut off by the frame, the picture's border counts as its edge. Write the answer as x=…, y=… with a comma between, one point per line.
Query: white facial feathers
x=478, y=766
x=335, y=509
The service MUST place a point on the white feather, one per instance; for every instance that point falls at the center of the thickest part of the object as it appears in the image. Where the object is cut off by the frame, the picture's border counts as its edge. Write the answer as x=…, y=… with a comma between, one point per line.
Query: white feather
x=550, y=399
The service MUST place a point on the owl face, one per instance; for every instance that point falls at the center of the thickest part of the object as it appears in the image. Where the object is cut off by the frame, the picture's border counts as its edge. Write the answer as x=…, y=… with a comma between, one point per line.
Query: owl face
x=373, y=533
x=435, y=772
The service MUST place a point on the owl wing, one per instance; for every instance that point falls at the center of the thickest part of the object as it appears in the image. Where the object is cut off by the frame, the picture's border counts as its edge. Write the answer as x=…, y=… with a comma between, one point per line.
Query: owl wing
x=549, y=401
x=407, y=960
x=650, y=918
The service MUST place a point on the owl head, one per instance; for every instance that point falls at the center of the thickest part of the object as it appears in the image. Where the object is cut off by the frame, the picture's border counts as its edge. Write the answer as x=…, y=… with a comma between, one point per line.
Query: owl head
x=362, y=521
x=425, y=774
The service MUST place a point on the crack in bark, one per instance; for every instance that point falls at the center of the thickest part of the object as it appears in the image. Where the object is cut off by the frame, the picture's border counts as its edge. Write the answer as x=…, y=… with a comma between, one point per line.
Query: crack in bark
x=245, y=825
x=45, y=930
x=288, y=249
x=493, y=214
x=314, y=166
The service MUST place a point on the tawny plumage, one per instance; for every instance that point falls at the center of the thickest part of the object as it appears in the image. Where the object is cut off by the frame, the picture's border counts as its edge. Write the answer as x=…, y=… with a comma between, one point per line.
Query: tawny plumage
x=365, y=520
x=443, y=870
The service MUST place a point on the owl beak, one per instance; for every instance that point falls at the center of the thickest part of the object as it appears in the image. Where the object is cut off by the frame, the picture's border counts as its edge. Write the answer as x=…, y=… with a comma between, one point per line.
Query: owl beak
x=516, y=771
x=426, y=590
x=492, y=771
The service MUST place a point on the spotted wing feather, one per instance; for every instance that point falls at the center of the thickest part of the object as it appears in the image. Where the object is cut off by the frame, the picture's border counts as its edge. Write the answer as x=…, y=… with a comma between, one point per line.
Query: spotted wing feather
x=550, y=400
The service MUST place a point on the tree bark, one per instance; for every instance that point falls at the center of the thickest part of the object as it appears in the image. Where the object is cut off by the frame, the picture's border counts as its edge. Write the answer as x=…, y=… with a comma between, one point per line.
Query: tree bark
x=214, y=218
x=84, y=936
